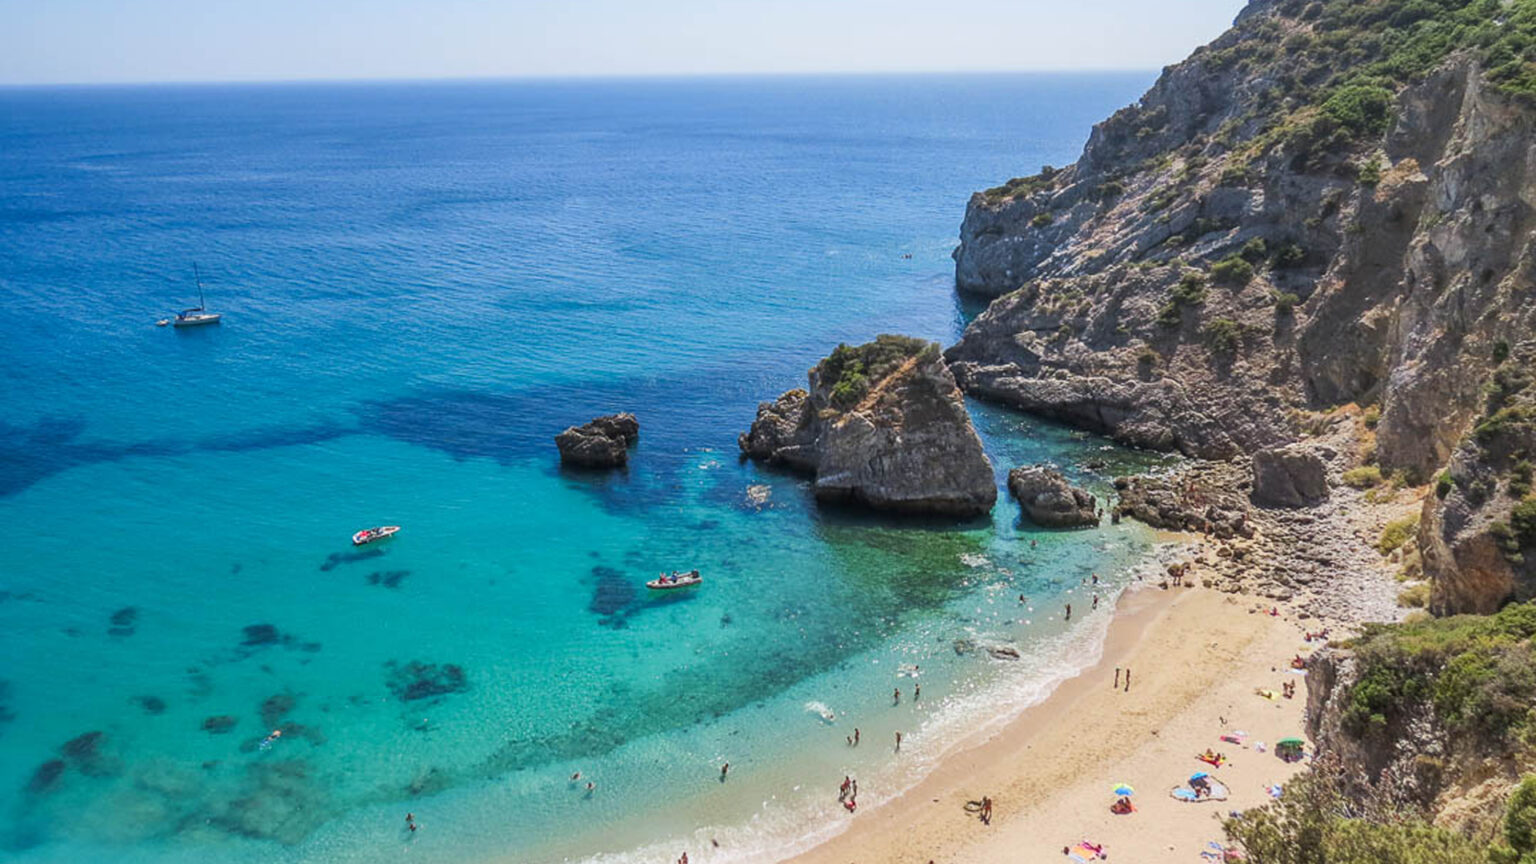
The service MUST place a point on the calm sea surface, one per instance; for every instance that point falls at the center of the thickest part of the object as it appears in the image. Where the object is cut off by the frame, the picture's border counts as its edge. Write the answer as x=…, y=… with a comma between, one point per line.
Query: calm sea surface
x=422, y=284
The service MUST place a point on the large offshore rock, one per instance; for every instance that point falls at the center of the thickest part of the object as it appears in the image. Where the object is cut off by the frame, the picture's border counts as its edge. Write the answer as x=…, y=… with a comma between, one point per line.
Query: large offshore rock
x=603, y=442
x=883, y=425
x=1289, y=477
x=1048, y=500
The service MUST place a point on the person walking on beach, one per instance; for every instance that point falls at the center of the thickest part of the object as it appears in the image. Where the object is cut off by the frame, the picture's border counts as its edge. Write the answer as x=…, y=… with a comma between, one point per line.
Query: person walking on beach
x=986, y=810
x=842, y=792
x=1117, y=679
x=1127, y=679
x=898, y=742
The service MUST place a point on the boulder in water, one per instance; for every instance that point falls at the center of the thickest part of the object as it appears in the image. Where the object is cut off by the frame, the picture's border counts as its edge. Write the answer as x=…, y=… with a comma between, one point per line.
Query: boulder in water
x=1049, y=501
x=603, y=442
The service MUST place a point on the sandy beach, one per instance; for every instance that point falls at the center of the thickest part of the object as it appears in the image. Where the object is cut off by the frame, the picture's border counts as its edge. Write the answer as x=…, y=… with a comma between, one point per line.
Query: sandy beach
x=1196, y=658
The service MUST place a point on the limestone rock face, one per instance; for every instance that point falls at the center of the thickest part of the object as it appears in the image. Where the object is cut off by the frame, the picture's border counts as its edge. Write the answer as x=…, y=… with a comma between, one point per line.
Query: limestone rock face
x=1289, y=477
x=1117, y=306
x=1049, y=501
x=1477, y=533
x=602, y=442
x=883, y=425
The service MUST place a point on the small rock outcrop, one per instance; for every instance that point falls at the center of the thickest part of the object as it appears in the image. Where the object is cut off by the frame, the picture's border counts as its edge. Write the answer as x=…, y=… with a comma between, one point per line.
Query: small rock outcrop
x=1289, y=477
x=882, y=425
x=603, y=442
x=1191, y=502
x=1049, y=501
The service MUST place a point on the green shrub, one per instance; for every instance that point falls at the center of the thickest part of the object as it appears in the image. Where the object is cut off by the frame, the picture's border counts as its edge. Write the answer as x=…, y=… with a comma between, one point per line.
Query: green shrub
x=1285, y=302
x=1288, y=256
x=1042, y=220
x=1232, y=270
x=1500, y=351
x=1363, y=477
x=1520, y=817
x=1397, y=533
x=1508, y=542
x=1522, y=520
x=1362, y=109
x=1255, y=251
x=1444, y=484
x=1520, y=479
x=1223, y=336
x=1370, y=172
x=1414, y=596
x=1372, y=416
x=852, y=370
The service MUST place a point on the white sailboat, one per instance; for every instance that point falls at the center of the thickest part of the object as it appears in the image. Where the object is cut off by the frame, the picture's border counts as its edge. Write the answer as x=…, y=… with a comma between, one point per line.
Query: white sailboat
x=198, y=315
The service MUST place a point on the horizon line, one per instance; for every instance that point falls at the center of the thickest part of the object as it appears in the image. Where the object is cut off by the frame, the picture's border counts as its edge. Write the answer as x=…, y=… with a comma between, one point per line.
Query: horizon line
x=575, y=77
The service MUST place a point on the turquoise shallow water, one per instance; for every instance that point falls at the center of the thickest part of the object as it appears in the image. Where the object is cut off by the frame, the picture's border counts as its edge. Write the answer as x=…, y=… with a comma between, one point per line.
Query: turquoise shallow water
x=423, y=283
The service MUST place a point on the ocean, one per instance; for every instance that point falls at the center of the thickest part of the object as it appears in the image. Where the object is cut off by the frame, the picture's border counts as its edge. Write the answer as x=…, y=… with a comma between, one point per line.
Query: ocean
x=422, y=283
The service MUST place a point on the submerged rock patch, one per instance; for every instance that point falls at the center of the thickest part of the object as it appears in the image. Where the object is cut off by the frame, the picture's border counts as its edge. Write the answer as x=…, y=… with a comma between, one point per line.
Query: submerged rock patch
x=388, y=578
x=46, y=778
x=416, y=680
x=276, y=707
x=150, y=704
x=123, y=621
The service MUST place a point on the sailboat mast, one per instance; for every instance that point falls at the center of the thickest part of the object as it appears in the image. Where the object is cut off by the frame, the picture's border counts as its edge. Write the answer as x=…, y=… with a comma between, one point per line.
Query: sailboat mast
x=201, y=304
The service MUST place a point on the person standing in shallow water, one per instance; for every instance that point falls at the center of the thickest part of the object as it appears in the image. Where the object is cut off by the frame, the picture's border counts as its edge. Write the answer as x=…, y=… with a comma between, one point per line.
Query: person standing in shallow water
x=723, y=769
x=898, y=742
x=855, y=736
x=896, y=696
x=1069, y=612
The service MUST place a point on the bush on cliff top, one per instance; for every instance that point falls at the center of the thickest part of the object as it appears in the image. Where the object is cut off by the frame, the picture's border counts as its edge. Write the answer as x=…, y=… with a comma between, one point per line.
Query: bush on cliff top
x=1477, y=672
x=852, y=370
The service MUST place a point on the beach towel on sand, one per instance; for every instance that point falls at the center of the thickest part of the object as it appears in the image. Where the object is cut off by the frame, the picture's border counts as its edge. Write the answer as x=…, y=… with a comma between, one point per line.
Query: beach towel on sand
x=1187, y=795
x=1083, y=853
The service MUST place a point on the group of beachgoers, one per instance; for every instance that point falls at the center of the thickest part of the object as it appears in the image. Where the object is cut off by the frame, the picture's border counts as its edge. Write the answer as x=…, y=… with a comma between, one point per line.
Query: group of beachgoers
x=848, y=794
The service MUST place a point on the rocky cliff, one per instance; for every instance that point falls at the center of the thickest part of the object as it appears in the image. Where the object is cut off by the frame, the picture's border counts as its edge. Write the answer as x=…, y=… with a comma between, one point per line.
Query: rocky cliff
x=1329, y=204
x=882, y=425
x=1477, y=534
x=1431, y=715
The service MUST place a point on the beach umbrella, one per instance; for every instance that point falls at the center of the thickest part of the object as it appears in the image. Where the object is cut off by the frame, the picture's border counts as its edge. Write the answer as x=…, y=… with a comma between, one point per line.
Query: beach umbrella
x=1124, y=790
x=1198, y=776
x=1291, y=742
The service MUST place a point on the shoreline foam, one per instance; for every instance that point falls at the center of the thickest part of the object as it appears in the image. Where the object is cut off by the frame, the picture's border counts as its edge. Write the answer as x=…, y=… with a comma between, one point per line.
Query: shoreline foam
x=1051, y=769
x=965, y=722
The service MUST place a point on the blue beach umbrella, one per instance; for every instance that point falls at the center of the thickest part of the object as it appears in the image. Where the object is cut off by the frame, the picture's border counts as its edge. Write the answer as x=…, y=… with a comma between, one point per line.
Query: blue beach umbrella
x=1198, y=776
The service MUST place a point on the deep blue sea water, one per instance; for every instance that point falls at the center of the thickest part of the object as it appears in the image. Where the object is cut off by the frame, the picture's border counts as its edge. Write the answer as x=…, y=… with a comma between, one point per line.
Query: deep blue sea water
x=422, y=284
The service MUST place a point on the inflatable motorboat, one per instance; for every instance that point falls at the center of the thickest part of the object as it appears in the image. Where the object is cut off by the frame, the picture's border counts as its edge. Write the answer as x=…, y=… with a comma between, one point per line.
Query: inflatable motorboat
x=368, y=535
x=675, y=580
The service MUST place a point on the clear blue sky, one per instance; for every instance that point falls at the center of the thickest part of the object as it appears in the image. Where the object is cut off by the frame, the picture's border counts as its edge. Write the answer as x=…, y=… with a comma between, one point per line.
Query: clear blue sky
x=53, y=41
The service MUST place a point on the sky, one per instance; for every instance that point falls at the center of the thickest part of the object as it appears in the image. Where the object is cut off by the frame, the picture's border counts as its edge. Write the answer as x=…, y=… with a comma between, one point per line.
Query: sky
x=120, y=41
